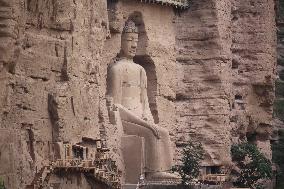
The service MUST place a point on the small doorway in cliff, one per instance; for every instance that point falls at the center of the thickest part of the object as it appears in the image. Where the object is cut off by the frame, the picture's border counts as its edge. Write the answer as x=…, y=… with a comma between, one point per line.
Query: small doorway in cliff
x=145, y=60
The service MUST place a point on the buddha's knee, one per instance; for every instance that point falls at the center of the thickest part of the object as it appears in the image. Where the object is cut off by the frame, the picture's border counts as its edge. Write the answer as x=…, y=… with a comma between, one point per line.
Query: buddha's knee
x=147, y=134
x=164, y=133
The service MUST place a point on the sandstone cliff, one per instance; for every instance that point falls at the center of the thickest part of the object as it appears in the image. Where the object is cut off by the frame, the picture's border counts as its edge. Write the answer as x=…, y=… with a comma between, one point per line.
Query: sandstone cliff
x=226, y=71
x=211, y=71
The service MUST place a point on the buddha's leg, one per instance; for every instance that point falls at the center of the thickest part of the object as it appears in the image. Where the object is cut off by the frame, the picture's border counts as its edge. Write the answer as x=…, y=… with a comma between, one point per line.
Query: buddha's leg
x=165, y=151
x=151, y=144
x=158, y=154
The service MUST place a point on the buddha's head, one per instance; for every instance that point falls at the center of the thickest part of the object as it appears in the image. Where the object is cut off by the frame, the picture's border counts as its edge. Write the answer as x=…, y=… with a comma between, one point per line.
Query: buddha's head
x=129, y=40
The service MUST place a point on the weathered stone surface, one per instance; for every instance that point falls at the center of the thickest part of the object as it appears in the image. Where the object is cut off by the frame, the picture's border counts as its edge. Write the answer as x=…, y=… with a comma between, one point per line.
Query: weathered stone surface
x=226, y=72
x=253, y=63
x=210, y=70
x=204, y=78
x=49, y=78
x=54, y=66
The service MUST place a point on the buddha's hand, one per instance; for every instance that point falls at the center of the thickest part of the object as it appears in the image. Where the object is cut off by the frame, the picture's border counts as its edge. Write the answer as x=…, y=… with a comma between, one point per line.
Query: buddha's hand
x=156, y=131
x=110, y=104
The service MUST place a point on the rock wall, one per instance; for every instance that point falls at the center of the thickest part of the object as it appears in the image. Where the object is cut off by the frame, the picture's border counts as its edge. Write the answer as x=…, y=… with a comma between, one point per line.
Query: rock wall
x=210, y=73
x=226, y=71
x=50, y=86
x=54, y=56
x=253, y=66
x=204, y=86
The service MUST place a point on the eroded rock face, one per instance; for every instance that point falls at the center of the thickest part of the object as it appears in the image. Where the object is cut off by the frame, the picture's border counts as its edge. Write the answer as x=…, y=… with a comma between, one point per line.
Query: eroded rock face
x=48, y=59
x=204, y=78
x=254, y=66
x=217, y=86
x=54, y=58
x=226, y=71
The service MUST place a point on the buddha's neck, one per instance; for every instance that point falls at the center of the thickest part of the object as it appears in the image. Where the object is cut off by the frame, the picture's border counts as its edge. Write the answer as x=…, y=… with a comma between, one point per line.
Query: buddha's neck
x=128, y=59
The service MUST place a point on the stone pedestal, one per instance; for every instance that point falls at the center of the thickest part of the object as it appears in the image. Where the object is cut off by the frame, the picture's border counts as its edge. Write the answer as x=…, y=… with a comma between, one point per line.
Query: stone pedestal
x=134, y=157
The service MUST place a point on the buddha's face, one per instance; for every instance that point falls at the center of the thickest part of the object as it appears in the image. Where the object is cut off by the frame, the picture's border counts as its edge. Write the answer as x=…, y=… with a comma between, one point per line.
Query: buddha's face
x=129, y=44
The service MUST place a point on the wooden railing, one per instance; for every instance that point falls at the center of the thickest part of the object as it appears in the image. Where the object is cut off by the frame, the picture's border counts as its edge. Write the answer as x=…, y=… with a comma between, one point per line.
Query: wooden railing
x=216, y=178
x=97, y=167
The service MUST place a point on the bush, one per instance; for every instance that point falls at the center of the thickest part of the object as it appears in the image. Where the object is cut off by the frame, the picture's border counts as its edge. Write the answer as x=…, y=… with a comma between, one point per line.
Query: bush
x=2, y=184
x=193, y=153
x=254, y=166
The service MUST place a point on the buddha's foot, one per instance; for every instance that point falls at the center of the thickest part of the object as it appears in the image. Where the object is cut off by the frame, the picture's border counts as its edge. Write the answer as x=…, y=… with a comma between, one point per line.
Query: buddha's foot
x=163, y=176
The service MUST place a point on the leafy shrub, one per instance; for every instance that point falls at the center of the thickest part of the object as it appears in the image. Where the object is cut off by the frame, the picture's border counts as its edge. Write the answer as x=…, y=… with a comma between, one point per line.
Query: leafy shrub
x=193, y=153
x=254, y=166
x=2, y=184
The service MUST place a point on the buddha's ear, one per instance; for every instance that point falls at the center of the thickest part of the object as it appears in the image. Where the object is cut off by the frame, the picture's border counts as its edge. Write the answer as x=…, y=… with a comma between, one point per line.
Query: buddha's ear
x=119, y=55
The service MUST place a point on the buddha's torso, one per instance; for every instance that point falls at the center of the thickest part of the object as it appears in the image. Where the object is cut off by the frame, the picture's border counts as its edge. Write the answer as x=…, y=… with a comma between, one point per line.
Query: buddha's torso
x=132, y=83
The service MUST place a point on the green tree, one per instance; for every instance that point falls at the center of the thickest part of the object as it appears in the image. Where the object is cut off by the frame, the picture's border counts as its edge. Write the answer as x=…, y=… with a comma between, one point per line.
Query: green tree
x=253, y=164
x=2, y=184
x=189, y=168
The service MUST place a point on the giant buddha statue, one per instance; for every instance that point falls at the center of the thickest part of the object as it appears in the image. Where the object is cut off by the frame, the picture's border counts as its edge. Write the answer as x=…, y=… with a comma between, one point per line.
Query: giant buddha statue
x=127, y=87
